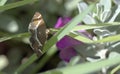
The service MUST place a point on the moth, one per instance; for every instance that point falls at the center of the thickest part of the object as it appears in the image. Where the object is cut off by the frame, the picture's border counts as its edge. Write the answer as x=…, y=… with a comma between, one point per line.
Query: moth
x=37, y=29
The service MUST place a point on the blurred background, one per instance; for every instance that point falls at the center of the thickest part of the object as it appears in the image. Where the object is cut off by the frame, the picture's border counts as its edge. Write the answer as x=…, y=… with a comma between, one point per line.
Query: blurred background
x=16, y=20
x=14, y=36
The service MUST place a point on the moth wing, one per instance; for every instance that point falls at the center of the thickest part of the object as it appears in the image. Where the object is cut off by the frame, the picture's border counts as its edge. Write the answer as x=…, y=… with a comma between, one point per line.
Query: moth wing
x=37, y=29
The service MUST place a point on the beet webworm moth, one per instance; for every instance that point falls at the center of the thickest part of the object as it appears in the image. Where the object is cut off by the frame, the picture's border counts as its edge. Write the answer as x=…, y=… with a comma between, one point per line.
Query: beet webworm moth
x=37, y=28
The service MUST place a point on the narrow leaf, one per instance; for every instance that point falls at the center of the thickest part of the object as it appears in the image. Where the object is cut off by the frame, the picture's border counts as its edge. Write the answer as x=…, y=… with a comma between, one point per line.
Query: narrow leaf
x=13, y=36
x=17, y=4
x=92, y=26
x=86, y=68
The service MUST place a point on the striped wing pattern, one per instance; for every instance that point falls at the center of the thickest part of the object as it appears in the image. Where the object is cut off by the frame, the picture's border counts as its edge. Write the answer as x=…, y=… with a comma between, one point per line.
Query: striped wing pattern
x=37, y=28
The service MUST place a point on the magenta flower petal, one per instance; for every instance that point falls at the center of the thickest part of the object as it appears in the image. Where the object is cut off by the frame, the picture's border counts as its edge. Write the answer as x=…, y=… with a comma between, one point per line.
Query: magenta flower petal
x=67, y=54
x=62, y=21
x=67, y=42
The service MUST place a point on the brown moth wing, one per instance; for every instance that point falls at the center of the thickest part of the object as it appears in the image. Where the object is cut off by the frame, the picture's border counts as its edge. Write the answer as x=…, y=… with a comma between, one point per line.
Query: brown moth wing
x=37, y=29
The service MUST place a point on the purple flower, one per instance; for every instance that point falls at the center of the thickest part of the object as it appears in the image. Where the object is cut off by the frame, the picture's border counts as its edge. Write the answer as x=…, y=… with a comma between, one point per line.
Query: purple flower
x=65, y=45
x=67, y=54
x=62, y=21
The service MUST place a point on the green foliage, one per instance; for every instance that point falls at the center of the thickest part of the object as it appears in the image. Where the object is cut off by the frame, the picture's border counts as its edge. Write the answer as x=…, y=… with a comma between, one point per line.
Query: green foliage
x=16, y=4
x=2, y=2
x=85, y=67
x=102, y=20
x=8, y=37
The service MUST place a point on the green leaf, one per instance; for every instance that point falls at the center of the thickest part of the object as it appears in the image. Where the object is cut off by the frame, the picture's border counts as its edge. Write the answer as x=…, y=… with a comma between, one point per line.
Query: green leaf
x=104, y=40
x=2, y=2
x=44, y=59
x=92, y=26
x=83, y=39
x=24, y=65
x=115, y=14
x=106, y=6
x=115, y=69
x=109, y=39
x=86, y=68
x=17, y=4
x=8, y=37
x=88, y=18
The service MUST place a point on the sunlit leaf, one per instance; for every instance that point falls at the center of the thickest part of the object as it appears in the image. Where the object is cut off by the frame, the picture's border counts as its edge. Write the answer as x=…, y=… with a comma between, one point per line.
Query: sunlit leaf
x=2, y=2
